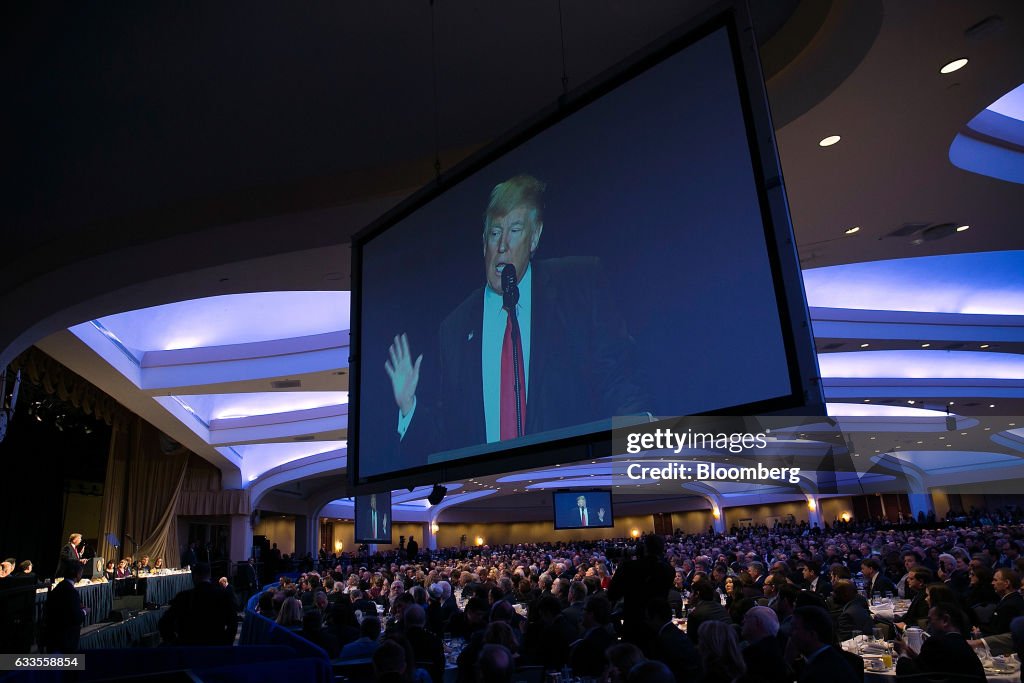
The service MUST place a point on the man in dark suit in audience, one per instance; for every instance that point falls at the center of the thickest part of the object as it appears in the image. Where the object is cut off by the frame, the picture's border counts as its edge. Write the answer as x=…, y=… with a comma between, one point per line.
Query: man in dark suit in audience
x=876, y=584
x=1010, y=605
x=204, y=615
x=763, y=653
x=669, y=645
x=812, y=637
x=946, y=651
x=854, y=616
x=918, y=578
x=708, y=608
x=426, y=645
x=587, y=656
x=64, y=613
x=813, y=580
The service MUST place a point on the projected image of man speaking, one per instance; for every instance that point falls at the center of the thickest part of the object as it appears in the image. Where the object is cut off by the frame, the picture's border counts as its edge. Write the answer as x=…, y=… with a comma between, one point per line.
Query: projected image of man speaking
x=537, y=347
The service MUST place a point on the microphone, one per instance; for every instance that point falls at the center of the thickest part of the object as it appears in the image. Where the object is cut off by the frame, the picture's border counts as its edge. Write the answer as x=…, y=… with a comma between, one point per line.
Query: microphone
x=509, y=287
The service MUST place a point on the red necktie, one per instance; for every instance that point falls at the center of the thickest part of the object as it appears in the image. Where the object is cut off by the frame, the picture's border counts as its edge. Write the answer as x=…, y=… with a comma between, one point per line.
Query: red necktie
x=511, y=422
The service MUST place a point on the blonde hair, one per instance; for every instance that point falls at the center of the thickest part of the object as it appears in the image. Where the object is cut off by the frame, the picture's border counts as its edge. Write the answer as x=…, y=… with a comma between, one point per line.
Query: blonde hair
x=521, y=190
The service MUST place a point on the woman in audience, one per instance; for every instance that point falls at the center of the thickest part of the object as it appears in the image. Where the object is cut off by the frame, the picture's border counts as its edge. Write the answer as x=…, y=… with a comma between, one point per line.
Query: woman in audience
x=109, y=572
x=720, y=654
x=290, y=615
x=621, y=657
x=158, y=566
x=981, y=591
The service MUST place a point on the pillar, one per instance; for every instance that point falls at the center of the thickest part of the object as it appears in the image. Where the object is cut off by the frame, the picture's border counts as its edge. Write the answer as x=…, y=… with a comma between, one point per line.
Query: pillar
x=241, y=538
x=921, y=502
x=429, y=537
x=813, y=512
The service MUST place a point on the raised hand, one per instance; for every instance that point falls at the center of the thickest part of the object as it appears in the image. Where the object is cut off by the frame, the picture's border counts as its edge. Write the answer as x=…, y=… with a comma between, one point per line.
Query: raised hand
x=404, y=374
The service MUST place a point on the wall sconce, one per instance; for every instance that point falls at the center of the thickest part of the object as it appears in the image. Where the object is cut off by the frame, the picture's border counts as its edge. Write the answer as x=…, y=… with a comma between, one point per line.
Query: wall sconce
x=435, y=527
x=479, y=540
x=338, y=545
x=812, y=504
x=715, y=512
x=635, y=533
x=846, y=516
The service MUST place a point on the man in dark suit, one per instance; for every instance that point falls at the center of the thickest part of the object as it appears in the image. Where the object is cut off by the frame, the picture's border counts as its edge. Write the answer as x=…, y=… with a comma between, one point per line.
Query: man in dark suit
x=412, y=549
x=71, y=554
x=1011, y=605
x=854, y=616
x=373, y=524
x=64, y=613
x=946, y=651
x=639, y=581
x=204, y=615
x=876, y=584
x=666, y=643
x=708, y=608
x=426, y=645
x=587, y=656
x=918, y=578
x=813, y=580
x=763, y=653
x=574, y=348
x=812, y=637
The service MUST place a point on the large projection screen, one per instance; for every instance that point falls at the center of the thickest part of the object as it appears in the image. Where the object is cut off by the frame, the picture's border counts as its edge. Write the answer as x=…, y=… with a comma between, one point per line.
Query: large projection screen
x=656, y=273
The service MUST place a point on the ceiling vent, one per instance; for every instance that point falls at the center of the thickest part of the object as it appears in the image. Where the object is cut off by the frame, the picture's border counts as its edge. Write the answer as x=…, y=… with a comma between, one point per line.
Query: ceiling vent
x=919, y=233
x=305, y=437
x=286, y=384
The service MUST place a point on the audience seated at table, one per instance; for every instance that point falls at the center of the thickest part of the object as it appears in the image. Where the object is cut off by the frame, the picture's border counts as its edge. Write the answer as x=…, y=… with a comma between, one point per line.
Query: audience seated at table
x=946, y=650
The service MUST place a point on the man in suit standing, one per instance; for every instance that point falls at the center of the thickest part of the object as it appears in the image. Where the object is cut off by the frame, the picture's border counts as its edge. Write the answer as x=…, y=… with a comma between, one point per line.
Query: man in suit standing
x=582, y=512
x=70, y=554
x=64, y=613
x=812, y=638
x=204, y=615
x=553, y=317
x=639, y=581
x=412, y=549
x=375, y=526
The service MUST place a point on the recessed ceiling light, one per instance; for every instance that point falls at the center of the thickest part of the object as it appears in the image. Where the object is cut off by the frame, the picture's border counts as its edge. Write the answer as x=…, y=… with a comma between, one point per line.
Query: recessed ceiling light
x=911, y=402
x=920, y=441
x=867, y=400
x=852, y=230
x=829, y=141
x=925, y=346
x=942, y=438
x=949, y=445
x=993, y=405
x=961, y=228
x=951, y=403
x=984, y=346
x=864, y=345
x=955, y=65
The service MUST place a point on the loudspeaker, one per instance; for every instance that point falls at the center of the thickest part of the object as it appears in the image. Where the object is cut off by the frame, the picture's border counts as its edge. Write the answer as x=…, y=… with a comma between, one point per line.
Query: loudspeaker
x=437, y=494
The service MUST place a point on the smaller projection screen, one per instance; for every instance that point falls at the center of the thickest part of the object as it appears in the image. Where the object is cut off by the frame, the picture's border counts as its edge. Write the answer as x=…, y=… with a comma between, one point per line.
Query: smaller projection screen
x=591, y=509
x=373, y=518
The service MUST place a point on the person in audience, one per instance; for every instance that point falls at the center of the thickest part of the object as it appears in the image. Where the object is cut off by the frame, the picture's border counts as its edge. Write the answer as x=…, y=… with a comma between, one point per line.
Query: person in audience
x=636, y=582
x=707, y=608
x=290, y=614
x=620, y=660
x=916, y=585
x=854, y=616
x=650, y=672
x=109, y=571
x=763, y=652
x=812, y=637
x=158, y=565
x=123, y=570
x=426, y=646
x=946, y=651
x=813, y=581
x=876, y=584
x=389, y=663
x=587, y=655
x=367, y=643
x=981, y=591
x=64, y=613
x=666, y=643
x=495, y=664
x=1006, y=583
x=313, y=631
x=720, y=654
x=204, y=615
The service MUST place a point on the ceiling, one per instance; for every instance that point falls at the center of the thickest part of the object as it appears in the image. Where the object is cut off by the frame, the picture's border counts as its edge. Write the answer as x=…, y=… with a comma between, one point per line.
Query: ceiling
x=168, y=154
